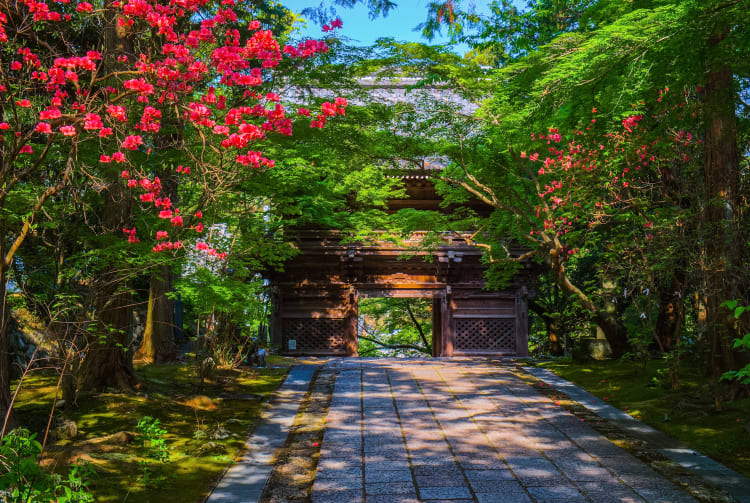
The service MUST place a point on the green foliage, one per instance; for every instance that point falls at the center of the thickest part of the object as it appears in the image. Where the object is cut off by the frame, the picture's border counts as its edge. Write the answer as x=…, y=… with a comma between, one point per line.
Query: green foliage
x=742, y=375
x=153, y=447
x=22, y=480
x=395, y=327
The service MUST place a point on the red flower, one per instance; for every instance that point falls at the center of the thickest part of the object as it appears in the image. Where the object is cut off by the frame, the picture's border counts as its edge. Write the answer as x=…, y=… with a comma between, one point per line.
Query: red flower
x=26, y=149
x=85, y=7
x=23, y=103
x=132, y=142
x=43, y=127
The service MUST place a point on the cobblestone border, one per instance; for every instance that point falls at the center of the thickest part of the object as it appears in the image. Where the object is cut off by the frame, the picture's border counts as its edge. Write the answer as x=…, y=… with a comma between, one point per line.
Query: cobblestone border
x=294, y=471
x=689, y=481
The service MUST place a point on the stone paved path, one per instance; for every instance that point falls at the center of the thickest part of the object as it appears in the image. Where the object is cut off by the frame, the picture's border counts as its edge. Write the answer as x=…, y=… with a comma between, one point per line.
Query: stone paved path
x=462, y=431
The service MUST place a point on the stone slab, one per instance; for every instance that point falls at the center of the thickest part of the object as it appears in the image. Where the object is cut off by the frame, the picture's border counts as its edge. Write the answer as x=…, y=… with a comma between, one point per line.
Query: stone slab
x=244, y=481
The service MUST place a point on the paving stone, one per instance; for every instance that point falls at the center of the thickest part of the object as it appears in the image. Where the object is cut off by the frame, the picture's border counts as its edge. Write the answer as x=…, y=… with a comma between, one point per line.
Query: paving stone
x=337, y=497
x=609, y=492
x=387, y=475
x=533, y=468
x=345, y=472
x=489, y=475
x=471, y=463
x=583, y=471
x=380, y=463
x=391, y=498
x=664, y=494
x=337, y=483
x=436, y=480
x=446, y=469
x=556, y=492
x=390, y=488
x=444, y=492
x=505, y=492
x=467, y=430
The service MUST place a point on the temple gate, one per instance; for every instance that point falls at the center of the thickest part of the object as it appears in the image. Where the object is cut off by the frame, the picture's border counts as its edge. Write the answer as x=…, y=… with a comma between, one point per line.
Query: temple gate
x=316, y=296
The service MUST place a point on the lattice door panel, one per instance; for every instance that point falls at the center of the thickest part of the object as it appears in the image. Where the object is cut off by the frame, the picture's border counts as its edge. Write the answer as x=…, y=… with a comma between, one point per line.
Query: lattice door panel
x=486, y=334
x=315, y=334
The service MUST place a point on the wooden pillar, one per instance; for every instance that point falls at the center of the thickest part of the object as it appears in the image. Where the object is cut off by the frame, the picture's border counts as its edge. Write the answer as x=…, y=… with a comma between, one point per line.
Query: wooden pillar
x=275, y=322
x=522, y=322
x=446, y=323
x=437, y=331
x=350, y=324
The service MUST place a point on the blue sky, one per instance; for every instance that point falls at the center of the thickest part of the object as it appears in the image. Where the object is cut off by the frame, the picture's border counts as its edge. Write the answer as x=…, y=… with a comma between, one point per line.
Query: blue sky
x=399, y=24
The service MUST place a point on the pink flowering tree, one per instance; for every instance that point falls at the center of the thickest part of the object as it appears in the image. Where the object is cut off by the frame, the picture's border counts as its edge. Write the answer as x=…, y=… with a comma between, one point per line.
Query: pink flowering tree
x=93, y=93
x=600, y=198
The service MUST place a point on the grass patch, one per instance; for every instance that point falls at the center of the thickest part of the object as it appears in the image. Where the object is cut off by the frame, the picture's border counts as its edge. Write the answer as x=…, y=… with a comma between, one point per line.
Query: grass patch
x=205, y=429
x=687, y=414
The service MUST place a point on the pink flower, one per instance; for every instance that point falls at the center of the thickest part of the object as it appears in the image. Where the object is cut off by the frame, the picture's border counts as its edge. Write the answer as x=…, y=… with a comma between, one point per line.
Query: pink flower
x=92, y=121
x=162, y=234
x=105, y=158
x=132, y=183
x=304, y=111
x=125, y=174
x=118, y=157
x=336, y=23
x=254, y=25
x=132, y=142
x=26, y=149
x=23, y=103
x=165, y=214
x=176, y=221
x=16, y=65
x=68, y=130
x=199, y=227
x=85, y=7
x=4, y=126
x=105, y=131
x=43, y=127
x=199, y=214
x=50, y=113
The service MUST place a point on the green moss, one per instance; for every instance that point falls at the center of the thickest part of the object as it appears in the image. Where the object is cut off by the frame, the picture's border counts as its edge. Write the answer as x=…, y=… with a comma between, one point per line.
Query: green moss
x=687, y=414
x=165, y=394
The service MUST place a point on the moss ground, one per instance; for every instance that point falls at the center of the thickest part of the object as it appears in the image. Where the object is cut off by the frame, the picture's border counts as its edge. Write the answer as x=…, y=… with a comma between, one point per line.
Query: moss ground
x=687, y=414
x=206, y=428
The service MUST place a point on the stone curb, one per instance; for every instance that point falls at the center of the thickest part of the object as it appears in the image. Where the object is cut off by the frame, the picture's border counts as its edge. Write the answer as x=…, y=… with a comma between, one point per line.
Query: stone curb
x=244, y=481
x=713, y=472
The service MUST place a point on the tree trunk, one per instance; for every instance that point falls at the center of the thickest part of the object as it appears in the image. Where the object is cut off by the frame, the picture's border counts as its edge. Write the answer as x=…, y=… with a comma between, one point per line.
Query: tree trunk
x=614, y=331
x=108, y=360
x=607, y=319
x=670, y=318
x=720, y=216
x=4, y=357
x=158, y=338
x=552, y=326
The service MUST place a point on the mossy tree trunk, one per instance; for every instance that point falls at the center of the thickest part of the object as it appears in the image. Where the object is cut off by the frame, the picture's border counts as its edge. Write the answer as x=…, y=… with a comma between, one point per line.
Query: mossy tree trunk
x=158, y=344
